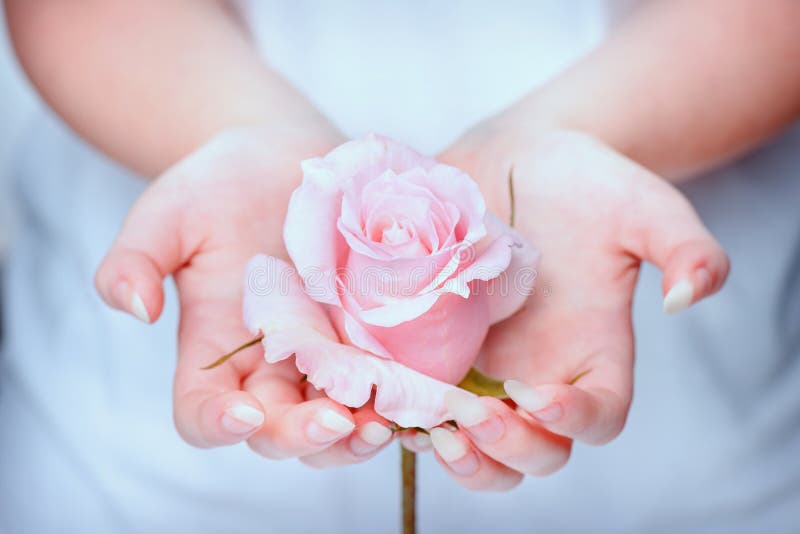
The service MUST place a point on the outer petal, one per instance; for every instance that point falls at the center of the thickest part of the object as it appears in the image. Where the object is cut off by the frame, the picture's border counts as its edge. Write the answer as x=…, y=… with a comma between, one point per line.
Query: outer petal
x=275, y=300
x=354, y=333
x=372, y=155
x=347, y=375
x=275, y=303
x=509, y=291
x=312, y=239
x=442, y=342
x=402, y=311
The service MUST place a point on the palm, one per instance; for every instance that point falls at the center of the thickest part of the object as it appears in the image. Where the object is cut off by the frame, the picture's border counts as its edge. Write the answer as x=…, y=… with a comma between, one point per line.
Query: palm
x=594, y=215
x=202, y=221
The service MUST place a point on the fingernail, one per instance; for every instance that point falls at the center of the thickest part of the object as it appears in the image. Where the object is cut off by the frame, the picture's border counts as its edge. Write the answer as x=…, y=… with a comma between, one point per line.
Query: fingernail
x=550, y=414
x=370, y=437
x=526, y=396
x=481, y=423
x=242, y=419
x=679, y=297
x=454, y=451
x=328, y=425
x=128, y=299
x=138, y=308
x=422, y=440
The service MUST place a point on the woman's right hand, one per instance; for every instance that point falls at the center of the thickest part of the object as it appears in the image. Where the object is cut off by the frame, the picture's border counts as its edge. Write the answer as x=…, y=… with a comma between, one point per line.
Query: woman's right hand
x=201, y=222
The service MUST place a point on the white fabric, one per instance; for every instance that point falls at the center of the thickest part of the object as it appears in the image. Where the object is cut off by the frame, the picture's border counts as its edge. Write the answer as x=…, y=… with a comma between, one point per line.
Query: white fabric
x=87, y=443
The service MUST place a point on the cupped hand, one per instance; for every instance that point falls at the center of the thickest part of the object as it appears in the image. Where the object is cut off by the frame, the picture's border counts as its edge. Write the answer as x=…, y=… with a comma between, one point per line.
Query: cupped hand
x=201, y=222
x=595, y=215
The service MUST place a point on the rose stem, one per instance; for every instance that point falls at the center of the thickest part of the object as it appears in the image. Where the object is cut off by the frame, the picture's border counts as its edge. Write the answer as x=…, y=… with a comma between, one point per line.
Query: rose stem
x=408, y=465
x=225, y=357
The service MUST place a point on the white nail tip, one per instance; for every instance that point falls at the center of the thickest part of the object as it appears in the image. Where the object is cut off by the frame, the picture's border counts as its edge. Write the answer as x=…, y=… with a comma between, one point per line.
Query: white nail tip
x=525, y=396
x=374, y=433
x=467, y=409
x=449, y=447
x=679, y=297
x=334, y=421
x=138, y=308
x=422, y=440
x=246, y=414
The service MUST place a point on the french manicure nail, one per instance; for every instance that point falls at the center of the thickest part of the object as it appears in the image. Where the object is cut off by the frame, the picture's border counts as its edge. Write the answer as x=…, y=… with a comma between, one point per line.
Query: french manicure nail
x=422, y=440
x=550, y=414
x=474, y=416
x=242, y=419
x=454, y=451
x=328, y=425
x=369, y=437
x=138, y=308
x=679, y=297
x=526, y=396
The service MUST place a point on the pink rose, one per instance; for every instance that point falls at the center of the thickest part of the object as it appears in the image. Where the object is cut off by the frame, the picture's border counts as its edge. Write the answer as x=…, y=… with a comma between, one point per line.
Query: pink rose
x=408, y=265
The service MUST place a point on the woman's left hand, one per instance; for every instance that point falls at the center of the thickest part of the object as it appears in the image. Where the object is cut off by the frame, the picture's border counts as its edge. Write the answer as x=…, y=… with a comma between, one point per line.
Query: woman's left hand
x=595, y=215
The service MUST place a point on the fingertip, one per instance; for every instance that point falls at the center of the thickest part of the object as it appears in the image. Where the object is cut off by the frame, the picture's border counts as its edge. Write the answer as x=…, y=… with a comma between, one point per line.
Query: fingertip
x=696, y=272
x=416, y=441
x=594, y=416
x=679, y=297
x=242, y=419
x=303, y=429
x=455, y=451
x=327, y=425
x=211, y=420
x=369, y=437
x=129, y=281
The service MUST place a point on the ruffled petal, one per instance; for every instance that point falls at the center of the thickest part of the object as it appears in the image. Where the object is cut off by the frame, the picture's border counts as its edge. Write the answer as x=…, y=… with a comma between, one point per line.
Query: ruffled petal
x=454, y=185
x=401, y=311
x=509, y=291
x=353, y=332
x=310, y=234
x=274, y=299
x=371, y=156
x=348, y=375
x=443, y=342
x=293, y=324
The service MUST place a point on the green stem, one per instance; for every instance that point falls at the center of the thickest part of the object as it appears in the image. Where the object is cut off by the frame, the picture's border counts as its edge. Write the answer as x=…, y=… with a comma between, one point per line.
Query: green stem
x=408, y=466
x=225, y=357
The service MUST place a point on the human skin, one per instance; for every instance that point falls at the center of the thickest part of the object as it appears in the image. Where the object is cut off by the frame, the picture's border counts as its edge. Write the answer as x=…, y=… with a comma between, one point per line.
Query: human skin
x=684, y=85
x=678, y=88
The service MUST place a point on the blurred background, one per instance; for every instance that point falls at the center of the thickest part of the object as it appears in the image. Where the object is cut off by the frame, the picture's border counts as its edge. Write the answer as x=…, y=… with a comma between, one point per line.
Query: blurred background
x=17, y=103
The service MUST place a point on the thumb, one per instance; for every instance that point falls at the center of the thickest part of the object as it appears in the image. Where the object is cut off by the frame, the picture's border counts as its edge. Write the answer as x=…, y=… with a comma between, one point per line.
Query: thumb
x=149, y=248
x=665, y=230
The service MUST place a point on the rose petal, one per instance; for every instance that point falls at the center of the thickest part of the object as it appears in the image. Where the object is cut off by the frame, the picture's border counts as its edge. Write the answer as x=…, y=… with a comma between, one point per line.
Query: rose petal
x=310, y=233
x=400, y=311
x=374, y=283
x=275, y=304
x=348, y=375
x=441, y=342
x=274, y=299
x=371, y=156
x=508, y=292
x=354, y=333
x=368, y=209
x=454, y=185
